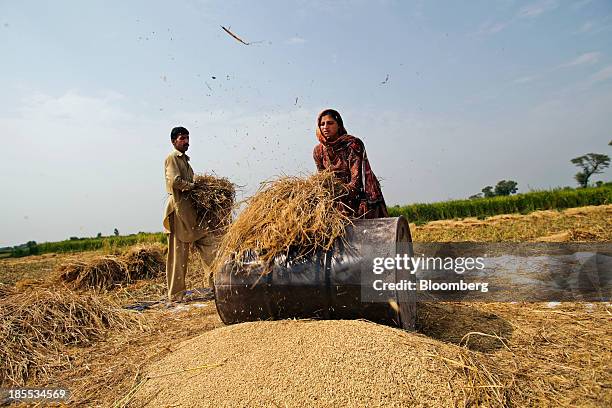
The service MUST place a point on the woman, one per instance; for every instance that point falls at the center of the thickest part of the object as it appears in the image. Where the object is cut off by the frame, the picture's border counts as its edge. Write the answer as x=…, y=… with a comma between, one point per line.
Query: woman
x=345, y=155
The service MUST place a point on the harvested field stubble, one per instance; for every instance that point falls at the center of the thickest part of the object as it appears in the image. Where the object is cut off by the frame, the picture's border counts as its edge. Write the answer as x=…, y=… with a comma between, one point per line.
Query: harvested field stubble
x=28, y=267
x=213, y=198
x=291, y=214
x=592, y=223
x=319, y=363
x=557, y=355
x=39, y=323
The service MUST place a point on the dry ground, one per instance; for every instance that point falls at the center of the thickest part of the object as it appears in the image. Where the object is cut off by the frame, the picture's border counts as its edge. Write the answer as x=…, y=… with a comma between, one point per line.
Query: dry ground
x=558, y=355
x=29, y=267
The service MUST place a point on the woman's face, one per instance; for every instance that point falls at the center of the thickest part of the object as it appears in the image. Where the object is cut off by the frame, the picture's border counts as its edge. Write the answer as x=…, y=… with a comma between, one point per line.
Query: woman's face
x=329, y=127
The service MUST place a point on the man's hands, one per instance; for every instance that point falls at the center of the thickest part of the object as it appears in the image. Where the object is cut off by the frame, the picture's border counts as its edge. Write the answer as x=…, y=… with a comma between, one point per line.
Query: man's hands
x=181, y=184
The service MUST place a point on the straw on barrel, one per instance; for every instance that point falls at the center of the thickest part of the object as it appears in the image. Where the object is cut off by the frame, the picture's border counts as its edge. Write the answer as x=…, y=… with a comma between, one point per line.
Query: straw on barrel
x=296, y=215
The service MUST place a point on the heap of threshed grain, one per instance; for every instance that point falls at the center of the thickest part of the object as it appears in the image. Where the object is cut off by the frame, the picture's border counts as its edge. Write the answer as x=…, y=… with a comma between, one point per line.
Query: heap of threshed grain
x=485, y=354
x=322, y=364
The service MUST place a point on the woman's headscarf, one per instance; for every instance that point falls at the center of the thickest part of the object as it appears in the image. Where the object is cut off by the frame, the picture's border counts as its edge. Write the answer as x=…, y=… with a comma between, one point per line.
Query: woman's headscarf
x=370, y=183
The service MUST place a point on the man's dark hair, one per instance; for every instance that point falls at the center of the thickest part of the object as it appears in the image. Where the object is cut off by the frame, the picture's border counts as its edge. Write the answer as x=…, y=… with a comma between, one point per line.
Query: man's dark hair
x=179, y=130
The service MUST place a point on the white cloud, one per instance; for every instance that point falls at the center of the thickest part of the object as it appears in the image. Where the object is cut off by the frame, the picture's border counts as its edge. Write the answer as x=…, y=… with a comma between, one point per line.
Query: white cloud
x=602, y=75
x=74, y=107
x=492, y=27
x=536, y=9
x=586, y=27
x=585, y=59
x=523, y=80
x=581, y=3
x=530, y=11
x=595, y=26
x=295, y=40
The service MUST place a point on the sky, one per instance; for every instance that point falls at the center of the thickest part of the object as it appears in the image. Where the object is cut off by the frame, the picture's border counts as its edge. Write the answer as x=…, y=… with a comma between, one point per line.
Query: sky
x=447, y=96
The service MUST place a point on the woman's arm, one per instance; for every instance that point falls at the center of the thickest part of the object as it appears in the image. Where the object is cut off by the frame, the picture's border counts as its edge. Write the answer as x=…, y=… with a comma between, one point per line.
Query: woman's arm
x=355, y=164
x=317, y=155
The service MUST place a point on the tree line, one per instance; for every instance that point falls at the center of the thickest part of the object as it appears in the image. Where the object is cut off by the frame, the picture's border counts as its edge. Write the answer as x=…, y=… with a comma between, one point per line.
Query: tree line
x=590, y=164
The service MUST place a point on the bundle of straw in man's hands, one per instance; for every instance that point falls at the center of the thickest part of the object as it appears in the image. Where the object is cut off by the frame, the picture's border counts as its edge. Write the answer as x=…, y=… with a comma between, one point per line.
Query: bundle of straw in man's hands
x=213, y=198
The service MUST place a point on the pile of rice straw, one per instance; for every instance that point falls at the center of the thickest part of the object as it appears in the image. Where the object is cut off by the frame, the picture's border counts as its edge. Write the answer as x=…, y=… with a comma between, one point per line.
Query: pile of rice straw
x=145, y=261
x=213, y=198
x=289, y=215
x=108, y=271
x=102, y=272
x=37, y=324
x=5, y=290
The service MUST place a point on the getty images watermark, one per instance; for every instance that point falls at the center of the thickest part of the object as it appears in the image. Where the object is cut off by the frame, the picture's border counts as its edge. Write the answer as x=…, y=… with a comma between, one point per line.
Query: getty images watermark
x=489, y=272
x=411, y=264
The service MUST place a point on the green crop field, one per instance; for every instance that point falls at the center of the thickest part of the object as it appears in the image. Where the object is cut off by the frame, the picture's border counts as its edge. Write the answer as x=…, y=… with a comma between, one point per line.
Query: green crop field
x=520, y=203
x=557, y=199
x=90, y=244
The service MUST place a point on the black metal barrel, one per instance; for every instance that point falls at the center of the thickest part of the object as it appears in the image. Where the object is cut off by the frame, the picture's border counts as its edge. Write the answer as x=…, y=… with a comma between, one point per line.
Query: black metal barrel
x=324, y=285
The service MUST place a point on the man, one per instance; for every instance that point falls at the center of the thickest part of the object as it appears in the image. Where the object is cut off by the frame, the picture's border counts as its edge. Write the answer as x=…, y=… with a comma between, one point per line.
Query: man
x=180, y=220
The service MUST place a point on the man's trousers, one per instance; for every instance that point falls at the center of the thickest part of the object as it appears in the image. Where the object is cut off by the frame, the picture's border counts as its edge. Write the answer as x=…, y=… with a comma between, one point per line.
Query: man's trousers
x=178, y=258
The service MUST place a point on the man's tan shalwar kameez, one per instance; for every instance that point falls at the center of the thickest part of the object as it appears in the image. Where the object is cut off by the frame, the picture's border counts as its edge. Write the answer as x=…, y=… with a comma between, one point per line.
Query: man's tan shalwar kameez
x=180, y=222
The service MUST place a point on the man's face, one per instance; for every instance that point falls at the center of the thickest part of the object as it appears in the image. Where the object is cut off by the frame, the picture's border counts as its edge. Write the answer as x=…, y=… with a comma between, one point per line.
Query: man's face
x=181, y=143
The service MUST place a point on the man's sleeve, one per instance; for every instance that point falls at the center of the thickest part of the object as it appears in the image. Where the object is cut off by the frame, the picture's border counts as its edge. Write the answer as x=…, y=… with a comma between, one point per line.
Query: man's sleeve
x=173, y=175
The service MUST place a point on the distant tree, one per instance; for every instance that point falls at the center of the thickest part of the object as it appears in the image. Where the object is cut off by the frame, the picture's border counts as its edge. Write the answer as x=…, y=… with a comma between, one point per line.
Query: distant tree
x=74, y=238
x=17, y=252
x=116, y=232
x=488, y=191
x=505, y=187
x=99, y=235
x=32, y=247
x=475, y=196
x=592, y=163
x=599, y=183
